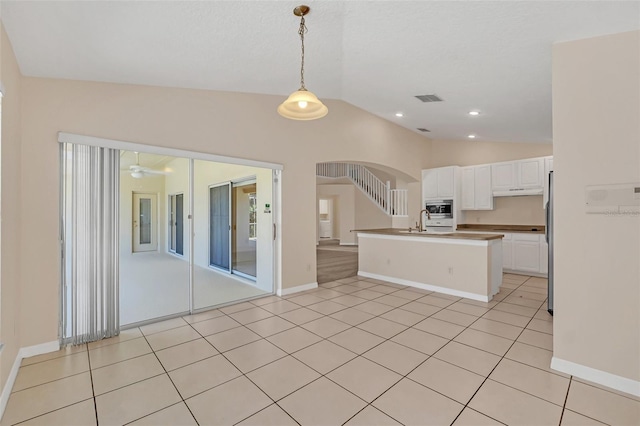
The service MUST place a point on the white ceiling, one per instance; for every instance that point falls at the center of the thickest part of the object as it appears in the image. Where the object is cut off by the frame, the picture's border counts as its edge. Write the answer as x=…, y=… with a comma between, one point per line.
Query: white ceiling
x=493, y=56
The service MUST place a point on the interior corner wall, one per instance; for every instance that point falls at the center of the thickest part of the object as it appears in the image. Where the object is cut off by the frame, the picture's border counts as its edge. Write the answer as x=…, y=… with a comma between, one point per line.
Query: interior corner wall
x=11, y=169
x=597, y=256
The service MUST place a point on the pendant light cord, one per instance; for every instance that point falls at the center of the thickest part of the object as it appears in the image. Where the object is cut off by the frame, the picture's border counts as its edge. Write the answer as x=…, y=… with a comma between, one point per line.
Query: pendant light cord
x=301, y=31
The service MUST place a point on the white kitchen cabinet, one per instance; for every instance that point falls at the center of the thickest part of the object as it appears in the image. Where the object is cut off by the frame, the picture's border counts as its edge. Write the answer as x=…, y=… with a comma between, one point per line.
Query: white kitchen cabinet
x=503, y=176
x=526, y=252
x=544, y=255
x=548, y=167
x=483, y=192
x=507, y=252
x=515, y=177
x=476, y=188
x=439, y=183
x=468, y=191
x=530, y=173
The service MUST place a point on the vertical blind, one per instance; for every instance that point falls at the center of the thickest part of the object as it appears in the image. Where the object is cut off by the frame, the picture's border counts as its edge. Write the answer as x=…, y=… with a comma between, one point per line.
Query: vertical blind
x=90, y=228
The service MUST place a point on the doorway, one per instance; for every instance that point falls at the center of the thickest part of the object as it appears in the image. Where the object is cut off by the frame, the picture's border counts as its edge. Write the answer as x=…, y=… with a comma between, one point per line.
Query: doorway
x=233, y=227
x=176, y=224
x=145, y=222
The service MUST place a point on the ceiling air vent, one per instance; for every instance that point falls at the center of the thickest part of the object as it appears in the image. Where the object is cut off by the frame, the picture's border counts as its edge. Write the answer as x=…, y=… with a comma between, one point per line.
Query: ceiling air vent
x=422, y=129
x=429, y=98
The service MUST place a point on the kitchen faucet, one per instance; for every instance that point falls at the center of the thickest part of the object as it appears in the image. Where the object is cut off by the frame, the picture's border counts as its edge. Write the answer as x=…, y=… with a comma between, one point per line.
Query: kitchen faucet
x=428, y=218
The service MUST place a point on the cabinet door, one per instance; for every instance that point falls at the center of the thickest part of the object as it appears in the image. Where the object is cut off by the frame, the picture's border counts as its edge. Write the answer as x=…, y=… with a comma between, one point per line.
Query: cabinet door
x=468, y=188
x=446, y=182
x=429, y=184
x=530, y=173
x=483, y=194
x=503, y=176
x=507, y=252
x=544, y=255
x=526, y=255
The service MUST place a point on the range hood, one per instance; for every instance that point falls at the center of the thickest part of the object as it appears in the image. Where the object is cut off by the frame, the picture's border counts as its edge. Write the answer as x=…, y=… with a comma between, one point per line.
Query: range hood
x=518, y=192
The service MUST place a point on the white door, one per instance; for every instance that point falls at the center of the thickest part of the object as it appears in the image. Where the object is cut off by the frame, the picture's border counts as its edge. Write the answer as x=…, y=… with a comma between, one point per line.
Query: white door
x=145, y=222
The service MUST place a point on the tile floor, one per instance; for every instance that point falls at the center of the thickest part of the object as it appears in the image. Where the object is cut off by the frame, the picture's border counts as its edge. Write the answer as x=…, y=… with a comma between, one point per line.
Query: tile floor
x=354, y=351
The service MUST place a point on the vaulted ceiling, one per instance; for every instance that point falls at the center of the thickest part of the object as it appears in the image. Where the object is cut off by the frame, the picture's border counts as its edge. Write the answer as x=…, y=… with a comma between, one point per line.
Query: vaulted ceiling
x=489, y=56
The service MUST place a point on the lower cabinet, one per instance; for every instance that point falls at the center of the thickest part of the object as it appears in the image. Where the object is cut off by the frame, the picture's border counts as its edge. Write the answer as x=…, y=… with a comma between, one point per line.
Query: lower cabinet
x=525, y=253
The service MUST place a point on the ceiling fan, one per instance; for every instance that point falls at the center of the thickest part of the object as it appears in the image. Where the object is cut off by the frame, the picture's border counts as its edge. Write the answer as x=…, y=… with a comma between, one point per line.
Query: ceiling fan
x=137, y=171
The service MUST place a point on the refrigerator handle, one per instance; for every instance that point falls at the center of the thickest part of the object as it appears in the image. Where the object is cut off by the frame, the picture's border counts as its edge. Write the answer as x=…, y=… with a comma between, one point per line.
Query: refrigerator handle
x=546, y=227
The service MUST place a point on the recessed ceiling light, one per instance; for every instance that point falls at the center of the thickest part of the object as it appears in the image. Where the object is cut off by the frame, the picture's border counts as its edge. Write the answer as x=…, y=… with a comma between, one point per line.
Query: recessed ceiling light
x=471, y=136
x=474, y=112
x=399, y=114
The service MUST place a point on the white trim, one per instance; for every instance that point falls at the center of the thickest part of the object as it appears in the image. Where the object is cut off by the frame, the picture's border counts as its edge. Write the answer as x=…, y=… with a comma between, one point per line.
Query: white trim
x=600, y=377
x=27, y=352
x=131, y=146
x=429, y=287
x=348, y=244
x=426, y=238
x=42, y=348
x=296, y=289
x=8, y=386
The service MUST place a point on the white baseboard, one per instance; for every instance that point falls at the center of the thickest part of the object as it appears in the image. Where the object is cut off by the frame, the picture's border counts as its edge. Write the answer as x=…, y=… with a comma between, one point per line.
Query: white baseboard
x=429, y=287
x=42, y=348
x=600, y=377
x=26, y=352
x=296, y=289
x=526, y=274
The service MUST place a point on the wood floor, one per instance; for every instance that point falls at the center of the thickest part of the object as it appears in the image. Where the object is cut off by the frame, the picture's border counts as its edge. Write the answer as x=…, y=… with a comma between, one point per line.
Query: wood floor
x=335, y=262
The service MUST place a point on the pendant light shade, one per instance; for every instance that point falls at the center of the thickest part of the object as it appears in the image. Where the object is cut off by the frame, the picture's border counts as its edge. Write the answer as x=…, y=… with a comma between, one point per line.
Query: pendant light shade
x=302, y=104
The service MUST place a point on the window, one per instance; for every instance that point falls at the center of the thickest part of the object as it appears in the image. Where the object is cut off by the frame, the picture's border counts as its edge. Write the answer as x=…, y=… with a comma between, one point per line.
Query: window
x=253, y=219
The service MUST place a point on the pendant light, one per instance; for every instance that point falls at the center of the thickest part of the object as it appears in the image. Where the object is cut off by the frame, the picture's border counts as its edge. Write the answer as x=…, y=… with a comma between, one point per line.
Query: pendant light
x=302, y=104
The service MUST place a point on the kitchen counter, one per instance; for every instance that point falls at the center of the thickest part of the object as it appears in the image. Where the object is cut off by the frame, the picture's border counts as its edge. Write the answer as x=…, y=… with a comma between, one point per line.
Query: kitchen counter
x=456, y=263
x=415, y=233
x=517, y=229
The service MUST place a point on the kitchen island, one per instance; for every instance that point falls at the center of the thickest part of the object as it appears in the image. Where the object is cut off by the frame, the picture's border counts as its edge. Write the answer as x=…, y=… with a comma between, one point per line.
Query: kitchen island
x=456, y=263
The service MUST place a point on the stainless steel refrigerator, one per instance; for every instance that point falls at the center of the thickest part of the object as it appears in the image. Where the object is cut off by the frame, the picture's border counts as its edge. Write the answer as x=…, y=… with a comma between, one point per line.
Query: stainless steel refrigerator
x=549, y=237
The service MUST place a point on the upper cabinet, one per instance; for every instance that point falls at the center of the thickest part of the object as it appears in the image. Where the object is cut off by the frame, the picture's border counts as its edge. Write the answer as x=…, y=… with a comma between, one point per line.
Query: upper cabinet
x=523, y=177
x=476, y=191
x=439, y=183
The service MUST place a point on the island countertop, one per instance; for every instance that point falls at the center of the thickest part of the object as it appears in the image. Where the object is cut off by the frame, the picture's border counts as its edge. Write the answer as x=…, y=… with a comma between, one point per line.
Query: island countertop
x=404, y=232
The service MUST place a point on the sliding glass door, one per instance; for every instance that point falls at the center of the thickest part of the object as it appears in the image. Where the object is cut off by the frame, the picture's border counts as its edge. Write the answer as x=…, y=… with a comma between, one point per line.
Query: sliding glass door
x=176, y=224
x=220, y=226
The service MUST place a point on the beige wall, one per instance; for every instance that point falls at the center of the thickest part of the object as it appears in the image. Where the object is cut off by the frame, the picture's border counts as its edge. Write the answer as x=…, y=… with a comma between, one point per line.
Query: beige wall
x=368, y=214
x=11, y=213
x=469, y=153
x=596, y=126
x=197, y=120
x=526, y=210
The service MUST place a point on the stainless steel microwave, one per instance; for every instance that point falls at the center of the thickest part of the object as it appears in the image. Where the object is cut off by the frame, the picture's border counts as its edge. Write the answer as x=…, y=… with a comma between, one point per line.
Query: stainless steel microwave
x=440, y=209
